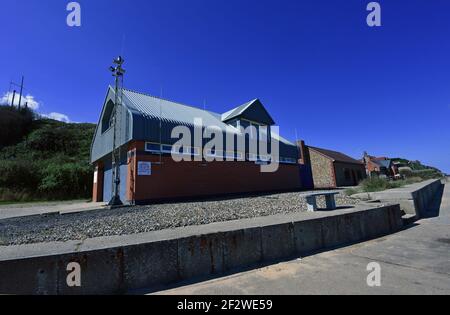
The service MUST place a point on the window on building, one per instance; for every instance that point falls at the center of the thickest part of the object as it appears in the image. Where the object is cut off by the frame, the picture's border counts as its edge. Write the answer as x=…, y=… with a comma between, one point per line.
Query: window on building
x=286, y=160
x=185, y=150
x=166, y=148
x=153, y=148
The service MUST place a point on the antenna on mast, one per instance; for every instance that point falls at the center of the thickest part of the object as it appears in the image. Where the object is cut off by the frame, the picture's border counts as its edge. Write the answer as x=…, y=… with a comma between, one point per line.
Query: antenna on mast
x=160, y=126
x=117, y=72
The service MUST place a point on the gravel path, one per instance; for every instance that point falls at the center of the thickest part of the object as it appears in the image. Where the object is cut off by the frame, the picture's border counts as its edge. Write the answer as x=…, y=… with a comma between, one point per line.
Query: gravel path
x=141, y=219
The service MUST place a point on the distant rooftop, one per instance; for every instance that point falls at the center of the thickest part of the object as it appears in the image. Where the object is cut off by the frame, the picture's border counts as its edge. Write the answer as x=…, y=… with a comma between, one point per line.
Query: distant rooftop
x=336, y=156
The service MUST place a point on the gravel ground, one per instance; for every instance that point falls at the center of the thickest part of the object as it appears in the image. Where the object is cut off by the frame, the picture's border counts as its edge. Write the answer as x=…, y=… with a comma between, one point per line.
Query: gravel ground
x=141, y=219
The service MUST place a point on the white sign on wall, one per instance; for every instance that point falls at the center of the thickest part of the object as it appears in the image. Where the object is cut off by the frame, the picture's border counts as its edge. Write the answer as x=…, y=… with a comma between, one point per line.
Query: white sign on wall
x=144, y=168
x=95, y=177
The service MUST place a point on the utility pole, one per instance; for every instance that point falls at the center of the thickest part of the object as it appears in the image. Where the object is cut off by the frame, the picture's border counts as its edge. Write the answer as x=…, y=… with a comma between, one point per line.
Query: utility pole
x=118, y=73
x=21, y=91
x=13, y=98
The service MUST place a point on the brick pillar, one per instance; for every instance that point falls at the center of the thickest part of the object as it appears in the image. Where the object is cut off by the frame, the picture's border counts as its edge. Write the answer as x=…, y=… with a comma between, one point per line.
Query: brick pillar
x=97, y=194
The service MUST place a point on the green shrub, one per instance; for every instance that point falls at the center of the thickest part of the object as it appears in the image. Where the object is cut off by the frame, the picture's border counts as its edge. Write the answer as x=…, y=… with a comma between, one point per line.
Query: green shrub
x=374, y=184
x=15, y=124
x=352, y=191
x=66, y=181
x=49, y=162
x=406, y=173
x=16, y=195
x=19, y=174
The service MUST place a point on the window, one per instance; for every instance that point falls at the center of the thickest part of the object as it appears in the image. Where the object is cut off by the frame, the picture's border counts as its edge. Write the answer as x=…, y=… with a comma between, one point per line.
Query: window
x=285, y=160
x=185, y=150
x=107, y=119
x=265, y=158
x=167, y=148
x=153, y=147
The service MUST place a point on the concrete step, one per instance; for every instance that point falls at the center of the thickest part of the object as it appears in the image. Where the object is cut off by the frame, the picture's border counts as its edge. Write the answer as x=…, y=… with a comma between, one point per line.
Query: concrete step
x=409, y=219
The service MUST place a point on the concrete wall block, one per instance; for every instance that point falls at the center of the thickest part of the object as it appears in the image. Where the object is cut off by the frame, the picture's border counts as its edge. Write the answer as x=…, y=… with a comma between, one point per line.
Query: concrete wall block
x=375, y=223
x=395, y=218
x=308, y=236
x=242, y=248
x=409, y=206
x=151, y=264
x=330, y=232
x=349, y=228
x=278, y=241
x=200, y=256
x=101, y=272
x=32, y=276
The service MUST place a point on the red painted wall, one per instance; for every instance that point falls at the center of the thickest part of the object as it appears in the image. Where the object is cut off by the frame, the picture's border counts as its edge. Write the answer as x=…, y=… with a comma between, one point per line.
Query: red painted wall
x=194, y=179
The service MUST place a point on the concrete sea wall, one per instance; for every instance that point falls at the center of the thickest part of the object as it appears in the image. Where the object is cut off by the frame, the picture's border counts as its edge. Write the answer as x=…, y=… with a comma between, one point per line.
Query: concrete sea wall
x=413, y=199
x=113, y=265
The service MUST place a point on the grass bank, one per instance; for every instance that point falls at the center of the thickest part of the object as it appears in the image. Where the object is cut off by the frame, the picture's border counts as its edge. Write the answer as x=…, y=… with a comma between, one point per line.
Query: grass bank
x=379, y=184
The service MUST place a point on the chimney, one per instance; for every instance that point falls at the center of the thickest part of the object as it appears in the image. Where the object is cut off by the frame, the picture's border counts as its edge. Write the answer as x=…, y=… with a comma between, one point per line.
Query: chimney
x=304, y=153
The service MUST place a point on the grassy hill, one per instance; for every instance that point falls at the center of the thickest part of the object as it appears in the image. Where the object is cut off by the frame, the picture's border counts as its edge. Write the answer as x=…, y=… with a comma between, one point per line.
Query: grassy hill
x=42, y=159
x=418, y=169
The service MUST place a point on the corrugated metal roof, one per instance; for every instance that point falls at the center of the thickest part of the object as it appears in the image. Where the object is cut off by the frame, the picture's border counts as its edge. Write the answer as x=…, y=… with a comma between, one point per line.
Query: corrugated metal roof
x=152, y=108
x=141, y=121
x=172, y=112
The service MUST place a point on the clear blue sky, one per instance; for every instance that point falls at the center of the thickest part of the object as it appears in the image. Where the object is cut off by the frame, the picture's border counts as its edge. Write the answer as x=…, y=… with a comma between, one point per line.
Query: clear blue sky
x=315, y=64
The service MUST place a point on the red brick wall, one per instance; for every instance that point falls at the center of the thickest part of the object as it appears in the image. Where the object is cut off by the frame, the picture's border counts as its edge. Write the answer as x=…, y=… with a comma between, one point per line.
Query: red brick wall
x=193, y=179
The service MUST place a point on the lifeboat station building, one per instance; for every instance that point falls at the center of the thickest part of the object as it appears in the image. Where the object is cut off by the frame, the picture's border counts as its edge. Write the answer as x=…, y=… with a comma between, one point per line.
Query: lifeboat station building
x=148, y=171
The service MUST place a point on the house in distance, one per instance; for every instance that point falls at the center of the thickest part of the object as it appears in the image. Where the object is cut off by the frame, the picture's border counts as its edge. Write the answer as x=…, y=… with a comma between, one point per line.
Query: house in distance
x=332, y=169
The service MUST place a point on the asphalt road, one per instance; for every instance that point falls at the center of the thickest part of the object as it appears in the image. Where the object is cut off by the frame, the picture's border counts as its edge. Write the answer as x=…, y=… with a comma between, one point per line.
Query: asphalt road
x=413, y=261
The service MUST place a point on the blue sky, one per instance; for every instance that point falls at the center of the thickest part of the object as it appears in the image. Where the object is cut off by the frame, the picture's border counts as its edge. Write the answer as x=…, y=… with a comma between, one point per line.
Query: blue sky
x=315, y=64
